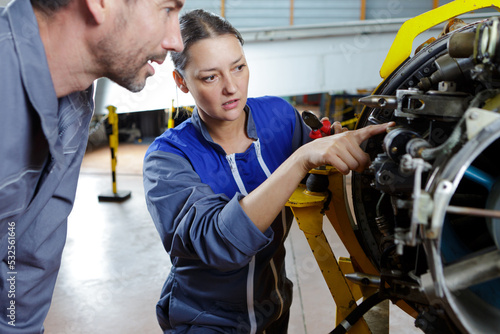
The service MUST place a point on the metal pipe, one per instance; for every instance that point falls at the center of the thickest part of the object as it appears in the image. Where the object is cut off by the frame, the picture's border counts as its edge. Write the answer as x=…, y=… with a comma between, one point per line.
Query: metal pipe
x=463, y=210
x=364, y=279
x=467, y=273
x=445, y=148
x=380, y=101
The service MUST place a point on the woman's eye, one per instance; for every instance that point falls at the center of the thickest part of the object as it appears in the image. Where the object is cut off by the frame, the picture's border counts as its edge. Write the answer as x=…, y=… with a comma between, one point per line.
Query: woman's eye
x=209, y=78
x=239, y=68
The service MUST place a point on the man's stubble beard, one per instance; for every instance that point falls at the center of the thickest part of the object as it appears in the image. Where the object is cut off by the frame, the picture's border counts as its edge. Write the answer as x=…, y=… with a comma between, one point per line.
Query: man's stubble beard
x=121, y=67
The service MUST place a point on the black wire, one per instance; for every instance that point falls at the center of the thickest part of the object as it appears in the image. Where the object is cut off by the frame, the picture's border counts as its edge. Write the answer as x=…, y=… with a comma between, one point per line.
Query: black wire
x=360, y=310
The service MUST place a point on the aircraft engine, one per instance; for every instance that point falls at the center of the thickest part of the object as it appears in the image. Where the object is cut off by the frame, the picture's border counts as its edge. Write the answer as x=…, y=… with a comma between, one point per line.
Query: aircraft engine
x=427, y=211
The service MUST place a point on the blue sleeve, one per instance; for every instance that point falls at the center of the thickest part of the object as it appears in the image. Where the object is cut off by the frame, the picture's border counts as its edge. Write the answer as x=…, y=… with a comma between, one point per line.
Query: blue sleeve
x=193, y=221
x=301, y=132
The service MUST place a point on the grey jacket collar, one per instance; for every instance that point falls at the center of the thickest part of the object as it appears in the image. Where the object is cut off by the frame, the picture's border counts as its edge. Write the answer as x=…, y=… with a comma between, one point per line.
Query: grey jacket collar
x=33, y=63
x=35, y=72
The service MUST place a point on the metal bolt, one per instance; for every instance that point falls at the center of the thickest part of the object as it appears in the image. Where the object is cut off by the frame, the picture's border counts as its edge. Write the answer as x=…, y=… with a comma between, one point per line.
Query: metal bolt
x=473, y=115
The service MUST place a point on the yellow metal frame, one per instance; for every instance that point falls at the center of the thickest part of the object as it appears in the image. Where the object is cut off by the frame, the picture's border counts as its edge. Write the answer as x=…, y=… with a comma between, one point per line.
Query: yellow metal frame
x=402, y=45
x=340, y=218
x=307, y=208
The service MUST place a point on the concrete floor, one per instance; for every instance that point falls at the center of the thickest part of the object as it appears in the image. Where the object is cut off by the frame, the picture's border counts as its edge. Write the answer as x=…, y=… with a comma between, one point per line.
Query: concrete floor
x=114, y=264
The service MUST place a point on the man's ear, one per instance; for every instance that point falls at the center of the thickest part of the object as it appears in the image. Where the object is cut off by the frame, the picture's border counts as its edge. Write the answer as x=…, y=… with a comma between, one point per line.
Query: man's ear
x=180, y=82
x=98, y=9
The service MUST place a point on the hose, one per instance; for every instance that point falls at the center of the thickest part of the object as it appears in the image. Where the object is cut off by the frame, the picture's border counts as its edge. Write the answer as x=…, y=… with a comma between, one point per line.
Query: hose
x=358, y=312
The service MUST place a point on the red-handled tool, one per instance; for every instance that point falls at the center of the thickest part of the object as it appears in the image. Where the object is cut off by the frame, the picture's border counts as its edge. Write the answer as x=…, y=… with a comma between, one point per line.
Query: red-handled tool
x=319, y=128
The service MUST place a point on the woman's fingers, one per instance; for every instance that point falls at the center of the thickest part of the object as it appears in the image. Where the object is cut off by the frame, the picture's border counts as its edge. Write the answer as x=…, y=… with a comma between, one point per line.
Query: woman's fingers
x=336, y=128
x=346, y=154
x=364, y=133
x=340, y=164
x=352, y=157
x=341, y=150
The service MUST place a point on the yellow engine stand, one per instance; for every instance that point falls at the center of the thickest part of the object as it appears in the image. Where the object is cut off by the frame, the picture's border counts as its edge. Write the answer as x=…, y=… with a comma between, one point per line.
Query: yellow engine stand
x=307, y=208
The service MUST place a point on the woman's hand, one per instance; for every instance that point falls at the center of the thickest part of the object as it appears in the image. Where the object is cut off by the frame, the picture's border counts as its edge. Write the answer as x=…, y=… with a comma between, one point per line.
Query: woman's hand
x=342, y=149
x=336, y=127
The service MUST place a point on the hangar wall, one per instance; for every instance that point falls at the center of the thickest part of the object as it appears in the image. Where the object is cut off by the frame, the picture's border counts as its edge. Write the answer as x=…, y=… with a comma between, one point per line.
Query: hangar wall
x=327, y=49
x=287, y=61
x=275, y=13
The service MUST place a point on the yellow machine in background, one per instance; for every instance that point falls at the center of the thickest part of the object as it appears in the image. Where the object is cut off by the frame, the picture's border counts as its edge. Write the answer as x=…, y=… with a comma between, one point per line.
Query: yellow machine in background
x=422, y=225
x=114, y=195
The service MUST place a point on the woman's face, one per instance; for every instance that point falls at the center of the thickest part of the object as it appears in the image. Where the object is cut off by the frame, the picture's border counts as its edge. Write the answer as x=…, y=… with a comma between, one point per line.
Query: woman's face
x=217, y=77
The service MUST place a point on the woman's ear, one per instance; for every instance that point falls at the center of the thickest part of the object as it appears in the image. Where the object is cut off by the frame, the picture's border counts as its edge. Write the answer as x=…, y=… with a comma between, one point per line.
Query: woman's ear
x=98, y=9
x=180, y=82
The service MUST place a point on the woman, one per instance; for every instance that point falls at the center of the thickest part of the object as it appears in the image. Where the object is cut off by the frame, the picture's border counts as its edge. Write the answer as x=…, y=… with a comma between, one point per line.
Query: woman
x=216, y=187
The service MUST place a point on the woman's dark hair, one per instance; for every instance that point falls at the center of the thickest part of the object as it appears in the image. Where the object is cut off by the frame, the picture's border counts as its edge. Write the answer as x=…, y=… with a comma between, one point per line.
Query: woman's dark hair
x=196, y=25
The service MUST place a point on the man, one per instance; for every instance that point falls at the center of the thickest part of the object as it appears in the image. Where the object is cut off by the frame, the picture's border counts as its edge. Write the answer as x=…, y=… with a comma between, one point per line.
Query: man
x=51, y=51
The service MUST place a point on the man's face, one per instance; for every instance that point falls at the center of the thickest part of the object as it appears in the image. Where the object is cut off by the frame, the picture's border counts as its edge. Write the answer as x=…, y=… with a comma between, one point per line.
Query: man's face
x=143, y=31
